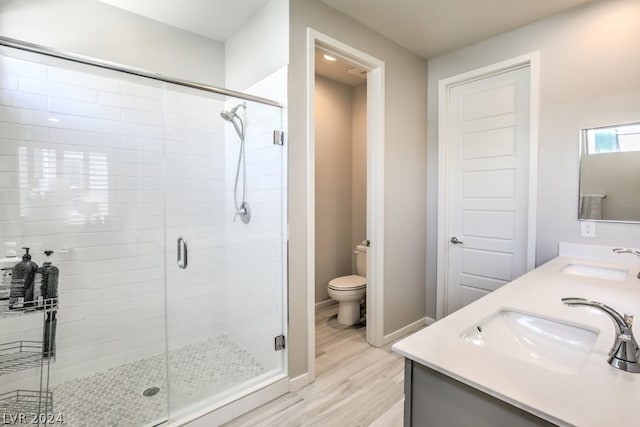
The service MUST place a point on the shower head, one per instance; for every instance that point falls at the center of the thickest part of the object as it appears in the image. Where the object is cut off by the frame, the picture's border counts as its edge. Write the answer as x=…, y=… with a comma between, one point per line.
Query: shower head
x=231, y=115
x=227, y=115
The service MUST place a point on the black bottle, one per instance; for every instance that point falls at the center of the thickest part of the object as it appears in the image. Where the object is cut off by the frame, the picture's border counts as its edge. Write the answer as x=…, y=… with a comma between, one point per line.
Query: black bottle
x=49, y=281
x=49, y=290
x=22, y=278
x=27, y=270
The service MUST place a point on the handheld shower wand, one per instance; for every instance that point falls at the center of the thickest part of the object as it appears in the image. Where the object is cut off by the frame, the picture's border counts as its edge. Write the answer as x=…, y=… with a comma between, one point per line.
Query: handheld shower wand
x=242, y=208
x=232, y=115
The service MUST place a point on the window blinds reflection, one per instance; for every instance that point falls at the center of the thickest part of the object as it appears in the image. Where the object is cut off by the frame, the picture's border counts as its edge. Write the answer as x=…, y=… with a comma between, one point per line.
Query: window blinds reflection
x=99, y=185
x=44, y=171
x=23, y=179
x=79, y=187
x=73, y=162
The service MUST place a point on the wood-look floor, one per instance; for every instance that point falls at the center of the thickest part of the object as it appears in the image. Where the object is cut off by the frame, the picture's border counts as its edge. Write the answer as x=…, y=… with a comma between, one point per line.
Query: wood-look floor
x=356, y=384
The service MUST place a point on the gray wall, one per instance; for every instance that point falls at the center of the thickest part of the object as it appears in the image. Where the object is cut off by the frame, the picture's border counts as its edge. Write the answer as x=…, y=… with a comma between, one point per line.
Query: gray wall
x=333, y=183
x=340, y=180
x=589, y=77
x=359, y=168
x=405, y=157
x=102, y=31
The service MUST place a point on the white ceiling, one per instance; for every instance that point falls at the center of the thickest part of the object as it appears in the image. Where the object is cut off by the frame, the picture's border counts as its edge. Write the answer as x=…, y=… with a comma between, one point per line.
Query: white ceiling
x=215, y=19
x=431, y=27
x=426, y=27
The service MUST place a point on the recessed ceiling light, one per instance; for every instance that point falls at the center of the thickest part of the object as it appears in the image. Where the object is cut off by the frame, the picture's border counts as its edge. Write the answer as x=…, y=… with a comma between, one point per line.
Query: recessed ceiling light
x=329, y=57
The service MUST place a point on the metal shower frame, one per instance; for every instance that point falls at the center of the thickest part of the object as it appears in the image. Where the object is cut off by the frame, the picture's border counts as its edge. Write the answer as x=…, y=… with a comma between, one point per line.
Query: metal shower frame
x=35, y=48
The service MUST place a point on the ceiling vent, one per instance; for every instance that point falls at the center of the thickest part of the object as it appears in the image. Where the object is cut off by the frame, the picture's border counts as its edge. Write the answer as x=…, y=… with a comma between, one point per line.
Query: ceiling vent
x=357, y=72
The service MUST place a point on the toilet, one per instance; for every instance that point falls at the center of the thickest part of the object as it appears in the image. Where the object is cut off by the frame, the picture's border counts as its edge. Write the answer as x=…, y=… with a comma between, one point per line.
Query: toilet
x=350, y=290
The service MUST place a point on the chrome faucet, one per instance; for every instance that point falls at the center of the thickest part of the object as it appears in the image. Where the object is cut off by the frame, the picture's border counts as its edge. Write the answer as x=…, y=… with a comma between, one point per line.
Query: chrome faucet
x=624, y=354
x=628, y=251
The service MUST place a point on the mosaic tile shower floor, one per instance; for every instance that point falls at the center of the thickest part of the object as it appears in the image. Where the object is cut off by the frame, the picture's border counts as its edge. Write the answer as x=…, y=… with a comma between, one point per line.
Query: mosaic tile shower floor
x=114, y=397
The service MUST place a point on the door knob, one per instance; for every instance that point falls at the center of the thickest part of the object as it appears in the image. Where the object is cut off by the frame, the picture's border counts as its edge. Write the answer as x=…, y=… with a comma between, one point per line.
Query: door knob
x=455, y=241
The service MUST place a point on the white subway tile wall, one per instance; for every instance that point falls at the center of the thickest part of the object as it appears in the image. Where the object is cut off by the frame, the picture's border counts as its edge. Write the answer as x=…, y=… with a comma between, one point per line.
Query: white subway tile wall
x=256, y=252
x=81, y=174
x=108, y=171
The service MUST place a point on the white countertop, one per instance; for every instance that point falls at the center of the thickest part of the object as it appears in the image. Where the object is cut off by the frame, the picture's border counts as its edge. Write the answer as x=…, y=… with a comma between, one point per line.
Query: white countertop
x=598, y=395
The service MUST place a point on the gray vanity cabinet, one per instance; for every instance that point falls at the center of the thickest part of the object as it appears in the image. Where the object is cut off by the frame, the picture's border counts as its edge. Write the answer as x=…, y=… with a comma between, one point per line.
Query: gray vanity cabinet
x=434, y=399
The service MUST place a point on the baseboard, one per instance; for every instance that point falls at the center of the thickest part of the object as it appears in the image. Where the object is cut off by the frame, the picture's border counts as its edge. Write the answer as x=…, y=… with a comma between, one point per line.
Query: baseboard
x=325, y=303
x=407, y=330
x=298, y=382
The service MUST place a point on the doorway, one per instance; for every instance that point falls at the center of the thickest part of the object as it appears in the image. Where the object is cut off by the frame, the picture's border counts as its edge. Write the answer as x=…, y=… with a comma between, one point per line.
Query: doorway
x=341, y=170
x=487, y=165
x=374, y=69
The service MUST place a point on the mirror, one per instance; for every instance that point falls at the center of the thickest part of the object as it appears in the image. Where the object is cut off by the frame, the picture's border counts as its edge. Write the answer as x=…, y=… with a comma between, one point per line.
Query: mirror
x=610, y=173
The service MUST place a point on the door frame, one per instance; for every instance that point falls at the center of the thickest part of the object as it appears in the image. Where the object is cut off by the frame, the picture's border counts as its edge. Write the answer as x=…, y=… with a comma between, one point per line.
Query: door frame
x=531, y=60
x=375, y=185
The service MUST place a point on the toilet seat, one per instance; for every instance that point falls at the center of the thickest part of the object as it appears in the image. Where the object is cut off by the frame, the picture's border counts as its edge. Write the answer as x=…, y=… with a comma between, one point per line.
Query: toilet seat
x=348, y=283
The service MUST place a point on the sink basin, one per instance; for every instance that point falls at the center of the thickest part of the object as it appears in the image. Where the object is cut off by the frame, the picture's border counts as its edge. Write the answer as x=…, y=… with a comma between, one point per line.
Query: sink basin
x=551, y=344
x=596, y=272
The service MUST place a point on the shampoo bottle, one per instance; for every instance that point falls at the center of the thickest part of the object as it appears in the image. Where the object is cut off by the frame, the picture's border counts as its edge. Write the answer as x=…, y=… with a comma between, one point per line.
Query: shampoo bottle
x=50, y=273
x=6, y=269
x=24, y=274
x=38, y=299
x=49, y=290
x=22, y=277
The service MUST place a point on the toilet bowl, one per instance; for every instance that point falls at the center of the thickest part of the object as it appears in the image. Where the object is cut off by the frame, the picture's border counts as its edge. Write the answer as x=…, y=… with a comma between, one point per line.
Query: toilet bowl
x=350, y=290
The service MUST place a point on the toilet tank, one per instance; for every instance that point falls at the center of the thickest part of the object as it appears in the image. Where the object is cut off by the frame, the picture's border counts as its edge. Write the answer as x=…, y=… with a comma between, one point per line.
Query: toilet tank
x=361, y=260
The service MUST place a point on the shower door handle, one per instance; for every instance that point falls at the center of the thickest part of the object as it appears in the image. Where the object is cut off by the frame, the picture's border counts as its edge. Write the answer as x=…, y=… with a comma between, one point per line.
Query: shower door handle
x=183, y=255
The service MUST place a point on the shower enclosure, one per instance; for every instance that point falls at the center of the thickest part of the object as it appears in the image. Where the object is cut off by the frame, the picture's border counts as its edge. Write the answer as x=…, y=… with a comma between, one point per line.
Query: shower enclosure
x=166, y=306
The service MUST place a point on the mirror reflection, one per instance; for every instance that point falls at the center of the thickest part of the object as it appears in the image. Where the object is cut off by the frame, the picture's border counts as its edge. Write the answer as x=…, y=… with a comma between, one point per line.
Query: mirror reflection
x=610, y=173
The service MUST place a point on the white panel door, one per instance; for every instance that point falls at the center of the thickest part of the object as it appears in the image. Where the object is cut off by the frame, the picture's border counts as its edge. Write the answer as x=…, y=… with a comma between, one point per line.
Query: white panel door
x=488, y=182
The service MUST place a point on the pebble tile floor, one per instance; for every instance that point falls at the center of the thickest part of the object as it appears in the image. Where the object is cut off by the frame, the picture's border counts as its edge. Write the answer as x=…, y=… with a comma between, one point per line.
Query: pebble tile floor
x=114, y=397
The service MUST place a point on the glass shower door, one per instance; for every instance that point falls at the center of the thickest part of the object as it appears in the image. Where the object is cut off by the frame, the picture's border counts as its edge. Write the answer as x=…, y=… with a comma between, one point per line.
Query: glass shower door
x=167, y=301
x=81, y=175
x=225, y=272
